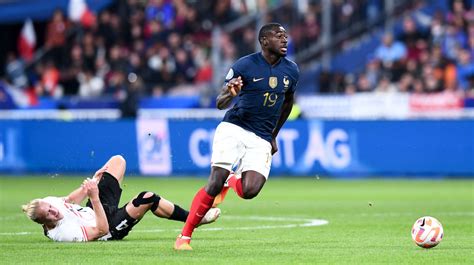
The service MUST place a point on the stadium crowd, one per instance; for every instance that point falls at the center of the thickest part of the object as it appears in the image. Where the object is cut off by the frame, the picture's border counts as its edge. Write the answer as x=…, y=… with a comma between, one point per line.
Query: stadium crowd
x=138, y=48
x=155, y=47
x=427, y=55
x=142, y=47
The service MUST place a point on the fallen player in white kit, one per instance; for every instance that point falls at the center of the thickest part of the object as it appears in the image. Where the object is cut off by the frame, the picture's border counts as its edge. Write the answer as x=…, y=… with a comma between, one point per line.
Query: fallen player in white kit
x=63, y=219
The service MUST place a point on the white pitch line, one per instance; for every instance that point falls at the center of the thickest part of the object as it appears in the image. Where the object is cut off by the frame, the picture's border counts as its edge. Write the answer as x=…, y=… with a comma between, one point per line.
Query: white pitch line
x=406, y=214
x=17, y=234
x=379, y=214
x=12, y=217
x=306, y=223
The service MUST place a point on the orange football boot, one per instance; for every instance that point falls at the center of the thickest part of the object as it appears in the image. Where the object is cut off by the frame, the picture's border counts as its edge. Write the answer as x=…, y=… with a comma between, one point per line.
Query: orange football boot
x=220, y=197
x=183, y=243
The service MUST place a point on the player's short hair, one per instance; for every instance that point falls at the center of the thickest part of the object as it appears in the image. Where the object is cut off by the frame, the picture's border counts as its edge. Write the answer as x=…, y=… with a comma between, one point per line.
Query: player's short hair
x=266, y=29
x=31, y=210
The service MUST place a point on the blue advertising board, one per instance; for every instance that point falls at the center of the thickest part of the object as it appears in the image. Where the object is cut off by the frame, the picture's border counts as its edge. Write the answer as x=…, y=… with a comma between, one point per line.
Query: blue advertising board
x=65, y=147
x=183, y=147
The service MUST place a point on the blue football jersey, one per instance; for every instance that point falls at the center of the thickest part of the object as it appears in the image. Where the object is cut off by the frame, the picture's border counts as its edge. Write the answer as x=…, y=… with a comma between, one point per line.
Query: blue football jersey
x=258, y=105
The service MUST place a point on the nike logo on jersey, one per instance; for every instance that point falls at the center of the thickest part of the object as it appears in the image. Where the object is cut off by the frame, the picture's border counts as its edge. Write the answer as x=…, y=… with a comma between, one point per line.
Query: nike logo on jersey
x=257, y=79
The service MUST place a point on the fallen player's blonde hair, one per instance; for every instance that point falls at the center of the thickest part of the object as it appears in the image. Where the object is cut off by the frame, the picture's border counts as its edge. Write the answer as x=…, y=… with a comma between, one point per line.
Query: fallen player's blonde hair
x=31, y=208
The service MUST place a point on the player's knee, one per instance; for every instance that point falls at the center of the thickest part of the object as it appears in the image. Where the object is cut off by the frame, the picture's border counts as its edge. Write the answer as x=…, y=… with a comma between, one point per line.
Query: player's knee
x=250, y=193
x=213, y=188
x=215, y=184
x=148, y=194
x=118, y=159
x=148, y=198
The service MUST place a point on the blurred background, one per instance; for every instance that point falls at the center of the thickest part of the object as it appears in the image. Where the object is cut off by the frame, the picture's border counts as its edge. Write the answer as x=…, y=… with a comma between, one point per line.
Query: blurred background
x=386, y=87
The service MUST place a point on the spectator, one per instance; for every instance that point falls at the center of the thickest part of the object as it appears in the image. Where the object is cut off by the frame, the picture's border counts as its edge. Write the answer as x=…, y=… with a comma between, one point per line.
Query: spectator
x=90, y=85
x=132, y=94
x=405, y=84
x=453, y=40
x=89, y=51
x=437, y=29
x=49, y=85
x=105, y=29
x=185, y=69
x=56, y=37
x=413, y=38
x=223, y=12
x=418, y=87
x=432, y=82
x=160, y=10
x=246, y=43
x=74, y=66
x=471, y=39
x=459, y=15
x=15, y=71
x=386, y=86
x=363, y=84
x=373, y=72
x=204, y=73
x=465, y=70
x=390, y=51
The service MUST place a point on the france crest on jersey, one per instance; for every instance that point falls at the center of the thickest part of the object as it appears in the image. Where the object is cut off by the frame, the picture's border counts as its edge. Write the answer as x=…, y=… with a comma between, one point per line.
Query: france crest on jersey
x=260, y=100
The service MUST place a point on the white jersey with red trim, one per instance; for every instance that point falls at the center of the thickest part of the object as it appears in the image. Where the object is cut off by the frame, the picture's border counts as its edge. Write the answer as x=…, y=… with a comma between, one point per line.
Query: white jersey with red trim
x=72, y=228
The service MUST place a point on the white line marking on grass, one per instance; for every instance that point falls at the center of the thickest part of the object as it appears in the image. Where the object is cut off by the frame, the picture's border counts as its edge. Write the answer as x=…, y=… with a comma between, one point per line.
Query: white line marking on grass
x=405, y=214
x=12, y=217
x=307, y=223
x=17, y=234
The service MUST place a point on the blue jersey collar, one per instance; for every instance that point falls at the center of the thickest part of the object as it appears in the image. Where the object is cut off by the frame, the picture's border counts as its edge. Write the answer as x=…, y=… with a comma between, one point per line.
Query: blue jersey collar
x=265, y=61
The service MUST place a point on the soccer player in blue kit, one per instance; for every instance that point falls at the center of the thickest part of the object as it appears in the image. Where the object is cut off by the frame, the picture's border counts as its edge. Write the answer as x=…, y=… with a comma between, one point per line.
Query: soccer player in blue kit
x=264, y=84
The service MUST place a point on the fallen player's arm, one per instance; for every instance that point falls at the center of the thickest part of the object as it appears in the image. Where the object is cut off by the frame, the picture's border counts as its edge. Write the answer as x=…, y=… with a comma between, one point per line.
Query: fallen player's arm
x=102, y=227
x=79, y=194
x=76, y=196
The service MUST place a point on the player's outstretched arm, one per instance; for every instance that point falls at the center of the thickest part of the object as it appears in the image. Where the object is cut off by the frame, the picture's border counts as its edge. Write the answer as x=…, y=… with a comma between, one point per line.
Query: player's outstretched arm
x=102, y=227
x=228, y=92
x=76, y=196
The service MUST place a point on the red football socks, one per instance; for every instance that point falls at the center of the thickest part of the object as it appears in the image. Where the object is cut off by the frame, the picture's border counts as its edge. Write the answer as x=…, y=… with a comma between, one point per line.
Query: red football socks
x=202, y=202
x=236, y=184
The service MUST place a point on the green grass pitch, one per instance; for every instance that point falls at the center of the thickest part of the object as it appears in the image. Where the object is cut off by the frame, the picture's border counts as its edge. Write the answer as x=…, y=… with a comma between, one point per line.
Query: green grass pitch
x=369, y=221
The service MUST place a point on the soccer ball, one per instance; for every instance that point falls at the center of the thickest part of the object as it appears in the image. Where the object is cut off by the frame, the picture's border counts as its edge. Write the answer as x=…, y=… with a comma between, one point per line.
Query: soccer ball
x=427, y=232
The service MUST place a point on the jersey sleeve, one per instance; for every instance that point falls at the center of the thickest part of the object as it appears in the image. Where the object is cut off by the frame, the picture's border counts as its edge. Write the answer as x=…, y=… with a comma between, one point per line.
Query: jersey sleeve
x=52, y=199
x=236, y=70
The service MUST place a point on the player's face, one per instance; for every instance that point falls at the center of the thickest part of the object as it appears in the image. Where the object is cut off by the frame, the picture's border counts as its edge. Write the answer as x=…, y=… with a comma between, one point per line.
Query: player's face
x=278, y=42
x=48, y=213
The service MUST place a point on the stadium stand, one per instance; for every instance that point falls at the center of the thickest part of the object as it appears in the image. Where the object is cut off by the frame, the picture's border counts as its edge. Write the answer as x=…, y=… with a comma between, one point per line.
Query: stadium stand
x=161, y=53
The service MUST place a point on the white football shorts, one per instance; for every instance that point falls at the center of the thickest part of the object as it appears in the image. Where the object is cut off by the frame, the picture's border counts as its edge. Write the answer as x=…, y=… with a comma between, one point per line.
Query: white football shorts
x=235, y=148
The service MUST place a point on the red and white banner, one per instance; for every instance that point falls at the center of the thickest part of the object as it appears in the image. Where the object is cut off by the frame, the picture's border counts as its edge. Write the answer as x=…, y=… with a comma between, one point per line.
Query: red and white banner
x=377, y=105
x=27, y=41
x=78, y=11
x=438, y=101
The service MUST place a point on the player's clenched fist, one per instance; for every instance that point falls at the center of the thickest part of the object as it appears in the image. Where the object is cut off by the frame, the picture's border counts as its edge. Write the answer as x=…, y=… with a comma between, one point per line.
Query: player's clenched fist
x=90, y=185
x=234, y=86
